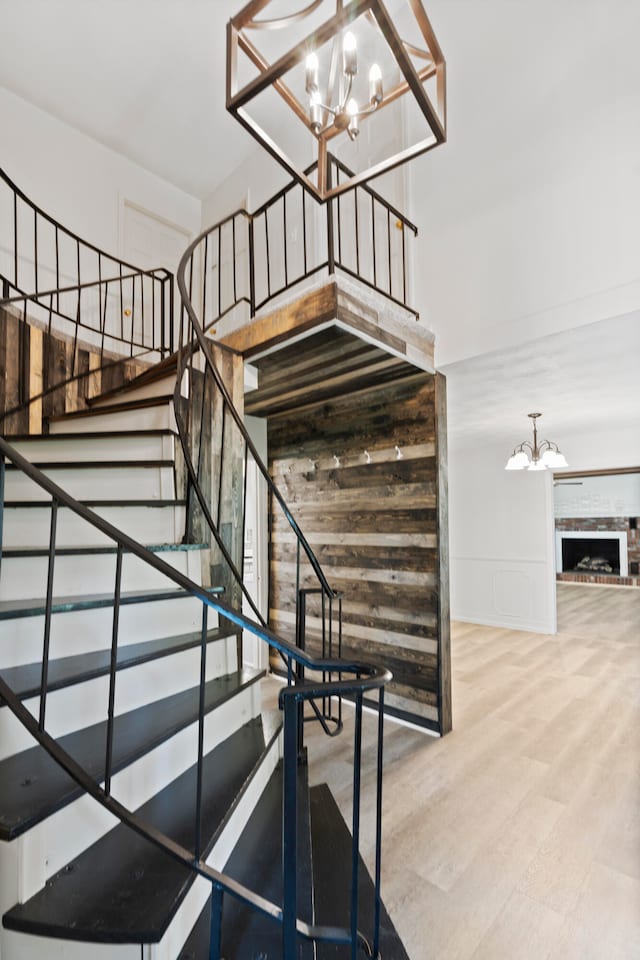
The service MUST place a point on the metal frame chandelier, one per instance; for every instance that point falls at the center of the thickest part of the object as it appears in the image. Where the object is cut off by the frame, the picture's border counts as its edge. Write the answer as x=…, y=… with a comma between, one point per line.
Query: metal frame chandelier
x=543, y=455
x=317, y=78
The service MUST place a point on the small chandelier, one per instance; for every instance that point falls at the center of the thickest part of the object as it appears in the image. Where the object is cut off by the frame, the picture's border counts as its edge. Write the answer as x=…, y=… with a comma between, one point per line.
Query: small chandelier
x=541, y=456
x=305, y=63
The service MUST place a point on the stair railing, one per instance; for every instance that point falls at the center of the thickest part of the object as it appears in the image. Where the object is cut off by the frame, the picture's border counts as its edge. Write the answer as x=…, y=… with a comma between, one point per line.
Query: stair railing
x=353, y=678
x=83, y=295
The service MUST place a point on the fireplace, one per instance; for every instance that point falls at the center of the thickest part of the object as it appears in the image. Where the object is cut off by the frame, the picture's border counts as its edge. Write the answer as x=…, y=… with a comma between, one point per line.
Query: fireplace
x=589, y=551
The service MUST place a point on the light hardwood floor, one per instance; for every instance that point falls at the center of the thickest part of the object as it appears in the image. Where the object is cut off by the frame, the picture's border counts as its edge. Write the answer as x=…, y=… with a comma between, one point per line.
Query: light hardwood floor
x=517, y=836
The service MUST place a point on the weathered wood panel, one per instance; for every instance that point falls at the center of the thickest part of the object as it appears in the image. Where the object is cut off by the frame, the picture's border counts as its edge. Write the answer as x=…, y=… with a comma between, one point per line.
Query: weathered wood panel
x=362, y=476
x=54, y=374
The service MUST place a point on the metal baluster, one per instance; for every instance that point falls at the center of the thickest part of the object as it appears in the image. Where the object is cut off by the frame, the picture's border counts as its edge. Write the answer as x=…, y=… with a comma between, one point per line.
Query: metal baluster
x=304, y=231
x=215, y=930
x=266, y=238
x=222, y=433
x=339, y=216
x=204, y=283
x=35, y=250
x=389, y=245
x=378, y=867
x=113, y=663
x=47, y=614
x=340, y=655
x=79, y=306
x=357, y=219
x=324, y=644
x=373, y=231
x=355, y=829
x=171, y=282
x=252, y=270
x=57, y=269
x=233, y=241
x=2, y=473
x=133, y=310
x=15, y=240
x=201, y=707
x=121, y=308
x=153, y=312
x=143, y=340
x=284, y=230
x=219, y=270
x=290, y=828
x=404, y=268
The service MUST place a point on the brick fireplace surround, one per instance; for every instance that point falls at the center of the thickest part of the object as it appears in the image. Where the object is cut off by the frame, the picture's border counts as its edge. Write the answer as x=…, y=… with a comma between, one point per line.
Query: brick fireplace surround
x=628, y=524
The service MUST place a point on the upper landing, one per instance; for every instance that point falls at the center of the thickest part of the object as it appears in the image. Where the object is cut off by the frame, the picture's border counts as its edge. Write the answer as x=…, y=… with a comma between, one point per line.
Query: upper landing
x=336, y=338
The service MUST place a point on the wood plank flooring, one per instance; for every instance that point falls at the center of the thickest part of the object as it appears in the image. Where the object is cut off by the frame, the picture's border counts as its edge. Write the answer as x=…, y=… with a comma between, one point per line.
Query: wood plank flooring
x=517, y=836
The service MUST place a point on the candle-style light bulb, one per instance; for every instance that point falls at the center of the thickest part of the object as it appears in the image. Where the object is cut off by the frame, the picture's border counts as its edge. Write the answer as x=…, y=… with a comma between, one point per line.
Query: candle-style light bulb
x=353, y=128
x=315, y=113
x=311, y=73
x=375, y=85
x=349, y=54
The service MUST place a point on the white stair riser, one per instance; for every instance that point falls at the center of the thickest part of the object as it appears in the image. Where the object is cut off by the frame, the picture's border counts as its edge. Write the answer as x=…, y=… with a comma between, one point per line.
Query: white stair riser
x=24, y=577
x=191, y=907
x=132, y=447
x=159, y=417
x=152, y=525
x=106, y=483
x=82, y=631
x=19, y=946
x=84, y=704
x=159, y=388
x=47, y=847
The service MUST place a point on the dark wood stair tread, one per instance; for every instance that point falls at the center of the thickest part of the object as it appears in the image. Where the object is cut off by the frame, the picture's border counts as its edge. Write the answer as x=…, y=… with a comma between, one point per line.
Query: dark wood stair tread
x=124, y=407
x=91, y=464
x=331, y=846
x=25, y=679
x=157, y=372
x=124, y=889
x=33, y=786
x=95, y=549
x=36, y=607
x=256, y=861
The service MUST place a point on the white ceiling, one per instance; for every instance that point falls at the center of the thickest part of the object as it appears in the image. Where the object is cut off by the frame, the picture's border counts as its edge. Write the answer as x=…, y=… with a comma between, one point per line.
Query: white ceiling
x=144, y=77
x=581, y=378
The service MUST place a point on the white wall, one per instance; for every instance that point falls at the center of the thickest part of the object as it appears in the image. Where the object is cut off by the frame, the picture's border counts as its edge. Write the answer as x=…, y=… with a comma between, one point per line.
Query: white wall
x=617, y=495
x=501, y=542
x=80, y=182
x=529, y=214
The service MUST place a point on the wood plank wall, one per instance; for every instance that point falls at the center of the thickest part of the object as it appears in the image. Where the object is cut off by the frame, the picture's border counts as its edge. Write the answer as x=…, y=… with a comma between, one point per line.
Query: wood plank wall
x=375, y=528
x=34, y=362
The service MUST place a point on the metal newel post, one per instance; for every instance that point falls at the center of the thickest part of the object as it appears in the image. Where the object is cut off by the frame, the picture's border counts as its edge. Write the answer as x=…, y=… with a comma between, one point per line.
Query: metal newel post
x=289, y=828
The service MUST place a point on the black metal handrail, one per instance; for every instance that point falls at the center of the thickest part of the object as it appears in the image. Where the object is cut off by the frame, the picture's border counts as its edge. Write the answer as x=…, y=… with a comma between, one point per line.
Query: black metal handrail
x=366, y=678
x=76, y=290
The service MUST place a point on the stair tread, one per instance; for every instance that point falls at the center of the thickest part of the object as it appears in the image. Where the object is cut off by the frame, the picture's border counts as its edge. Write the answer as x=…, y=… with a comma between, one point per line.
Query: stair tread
x=33, y=786
x=92, y=464
x=256, y=861
x=25, y=679
x=36, y=607
x=46, y=504
x=331, y=844
x=97, y=435
x=159, y=371
x=113, y=408
x=134, y=894
x=71, y=550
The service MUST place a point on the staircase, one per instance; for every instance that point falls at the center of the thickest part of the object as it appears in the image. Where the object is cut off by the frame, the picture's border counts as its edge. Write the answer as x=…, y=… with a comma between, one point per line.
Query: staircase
x=149, y=807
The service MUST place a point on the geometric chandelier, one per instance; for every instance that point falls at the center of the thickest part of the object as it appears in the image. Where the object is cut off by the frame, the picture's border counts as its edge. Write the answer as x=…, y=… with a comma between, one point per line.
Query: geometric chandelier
x=363, y=86
x=541, y=456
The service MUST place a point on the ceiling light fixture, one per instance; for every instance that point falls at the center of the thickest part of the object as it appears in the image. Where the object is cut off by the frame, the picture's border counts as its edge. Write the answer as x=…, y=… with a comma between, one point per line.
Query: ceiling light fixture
x=316, y=75
x=541, y=456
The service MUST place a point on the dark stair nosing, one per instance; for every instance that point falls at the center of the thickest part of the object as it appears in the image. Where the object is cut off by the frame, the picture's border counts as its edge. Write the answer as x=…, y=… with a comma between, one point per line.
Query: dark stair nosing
x=95, y=549
x=331, y=844
x=33, y=786
x=25, y=679
x=256, y=861
x=96, y=435
x=21, y=504
x=134, y=894
x=160, y=401
x=93, y=464
x=36, y=607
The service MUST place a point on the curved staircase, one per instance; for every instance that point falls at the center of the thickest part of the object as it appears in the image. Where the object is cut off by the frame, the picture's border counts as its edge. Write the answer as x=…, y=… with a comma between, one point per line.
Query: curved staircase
x=149, y=807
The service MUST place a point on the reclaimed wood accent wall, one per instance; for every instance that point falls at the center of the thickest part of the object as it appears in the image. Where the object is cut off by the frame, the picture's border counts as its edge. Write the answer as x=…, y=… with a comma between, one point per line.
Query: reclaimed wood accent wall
x=36, y=364
x=376, y=520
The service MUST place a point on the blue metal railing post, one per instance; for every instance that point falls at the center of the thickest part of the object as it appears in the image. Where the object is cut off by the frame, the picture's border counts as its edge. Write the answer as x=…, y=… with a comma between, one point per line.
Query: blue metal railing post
x=290, y=829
